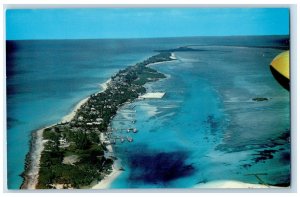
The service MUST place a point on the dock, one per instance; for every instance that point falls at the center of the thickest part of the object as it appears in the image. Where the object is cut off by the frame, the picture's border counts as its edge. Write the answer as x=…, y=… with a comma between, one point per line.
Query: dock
x=152, y=95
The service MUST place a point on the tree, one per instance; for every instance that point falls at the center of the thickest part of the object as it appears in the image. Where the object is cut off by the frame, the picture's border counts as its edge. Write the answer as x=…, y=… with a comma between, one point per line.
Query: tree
x=82, y=142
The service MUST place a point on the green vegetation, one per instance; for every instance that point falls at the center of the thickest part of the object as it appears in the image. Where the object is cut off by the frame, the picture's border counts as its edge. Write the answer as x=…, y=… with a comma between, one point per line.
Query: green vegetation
x=80, y=136
x=83, y=144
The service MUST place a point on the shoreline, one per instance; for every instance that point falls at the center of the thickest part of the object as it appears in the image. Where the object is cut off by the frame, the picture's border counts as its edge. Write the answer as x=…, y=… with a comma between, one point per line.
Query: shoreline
x=107, y=180
x=71, y=115
x=231, y=184
x=37, y=146
x=172, y=57
x=32, y=166
x=32, y=160
x=116, y=172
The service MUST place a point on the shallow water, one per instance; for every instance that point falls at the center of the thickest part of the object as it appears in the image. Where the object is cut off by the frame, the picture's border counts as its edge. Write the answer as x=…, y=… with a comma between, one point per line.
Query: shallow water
x=204, y=129
x=213, y=129
x=173, y=131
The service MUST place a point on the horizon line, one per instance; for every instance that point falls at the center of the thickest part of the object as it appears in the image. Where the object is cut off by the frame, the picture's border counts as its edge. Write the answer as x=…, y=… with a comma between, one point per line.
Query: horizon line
x=135, y=38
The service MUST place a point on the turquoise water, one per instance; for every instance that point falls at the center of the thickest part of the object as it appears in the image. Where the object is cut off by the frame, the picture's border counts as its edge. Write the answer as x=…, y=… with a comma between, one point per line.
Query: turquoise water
x=45, y=81
x=205, y=128
x=174, y=133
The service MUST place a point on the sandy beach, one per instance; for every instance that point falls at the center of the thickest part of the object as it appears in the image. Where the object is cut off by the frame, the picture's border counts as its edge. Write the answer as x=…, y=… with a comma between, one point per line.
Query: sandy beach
x=173, y=56
x=231, y=184
x=37, y=147
x=105, y=85
x=31, y=177
x=71, y=115
x=105, y=183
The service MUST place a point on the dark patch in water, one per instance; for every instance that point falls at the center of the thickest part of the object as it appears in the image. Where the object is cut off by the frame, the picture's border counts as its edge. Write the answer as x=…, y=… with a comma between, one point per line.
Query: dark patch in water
x=202, y=181
x=285, y=157
x=213, y=124
x=264, y=155
x=246, y=166
x=159, y=168
x=282, y=139
x=11, y=122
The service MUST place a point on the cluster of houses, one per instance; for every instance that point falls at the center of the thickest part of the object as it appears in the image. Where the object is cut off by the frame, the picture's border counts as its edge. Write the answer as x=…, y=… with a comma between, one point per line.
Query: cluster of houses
x=97, y=112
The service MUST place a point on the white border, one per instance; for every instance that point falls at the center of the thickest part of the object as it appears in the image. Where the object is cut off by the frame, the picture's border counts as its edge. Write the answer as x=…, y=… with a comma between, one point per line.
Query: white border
x=166, y=3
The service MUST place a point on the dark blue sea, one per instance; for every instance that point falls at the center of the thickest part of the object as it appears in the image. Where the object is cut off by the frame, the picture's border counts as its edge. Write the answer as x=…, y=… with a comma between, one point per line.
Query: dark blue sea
x=206, y=128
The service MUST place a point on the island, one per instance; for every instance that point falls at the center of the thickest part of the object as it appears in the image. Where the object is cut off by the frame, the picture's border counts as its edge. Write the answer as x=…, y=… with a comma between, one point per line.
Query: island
x=259, y=99
x=182, y=49
x=74, y=153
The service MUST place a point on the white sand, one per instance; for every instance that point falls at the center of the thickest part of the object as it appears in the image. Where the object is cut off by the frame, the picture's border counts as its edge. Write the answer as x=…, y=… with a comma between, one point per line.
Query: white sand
x=105, y=84
x=35, y=156
x=230, y=184
x=71, y=115
x=152, y=95
x=173, y=57
x=106, y=182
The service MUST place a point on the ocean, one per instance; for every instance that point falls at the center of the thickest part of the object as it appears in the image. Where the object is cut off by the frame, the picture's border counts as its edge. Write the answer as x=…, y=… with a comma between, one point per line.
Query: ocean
x=205, y=128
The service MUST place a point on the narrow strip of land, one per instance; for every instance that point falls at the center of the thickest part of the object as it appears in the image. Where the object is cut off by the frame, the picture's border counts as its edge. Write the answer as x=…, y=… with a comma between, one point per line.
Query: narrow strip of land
x=71, y=154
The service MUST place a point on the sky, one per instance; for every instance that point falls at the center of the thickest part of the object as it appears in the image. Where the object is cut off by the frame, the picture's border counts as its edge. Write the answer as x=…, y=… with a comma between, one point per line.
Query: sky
x=93, y=23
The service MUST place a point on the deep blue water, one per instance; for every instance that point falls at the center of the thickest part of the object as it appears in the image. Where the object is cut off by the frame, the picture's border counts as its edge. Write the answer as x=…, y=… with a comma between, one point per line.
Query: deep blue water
x=206, y=127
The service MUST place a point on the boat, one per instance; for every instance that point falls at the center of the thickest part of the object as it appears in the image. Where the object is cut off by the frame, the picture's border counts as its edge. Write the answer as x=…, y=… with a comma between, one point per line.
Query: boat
x=129, y=139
